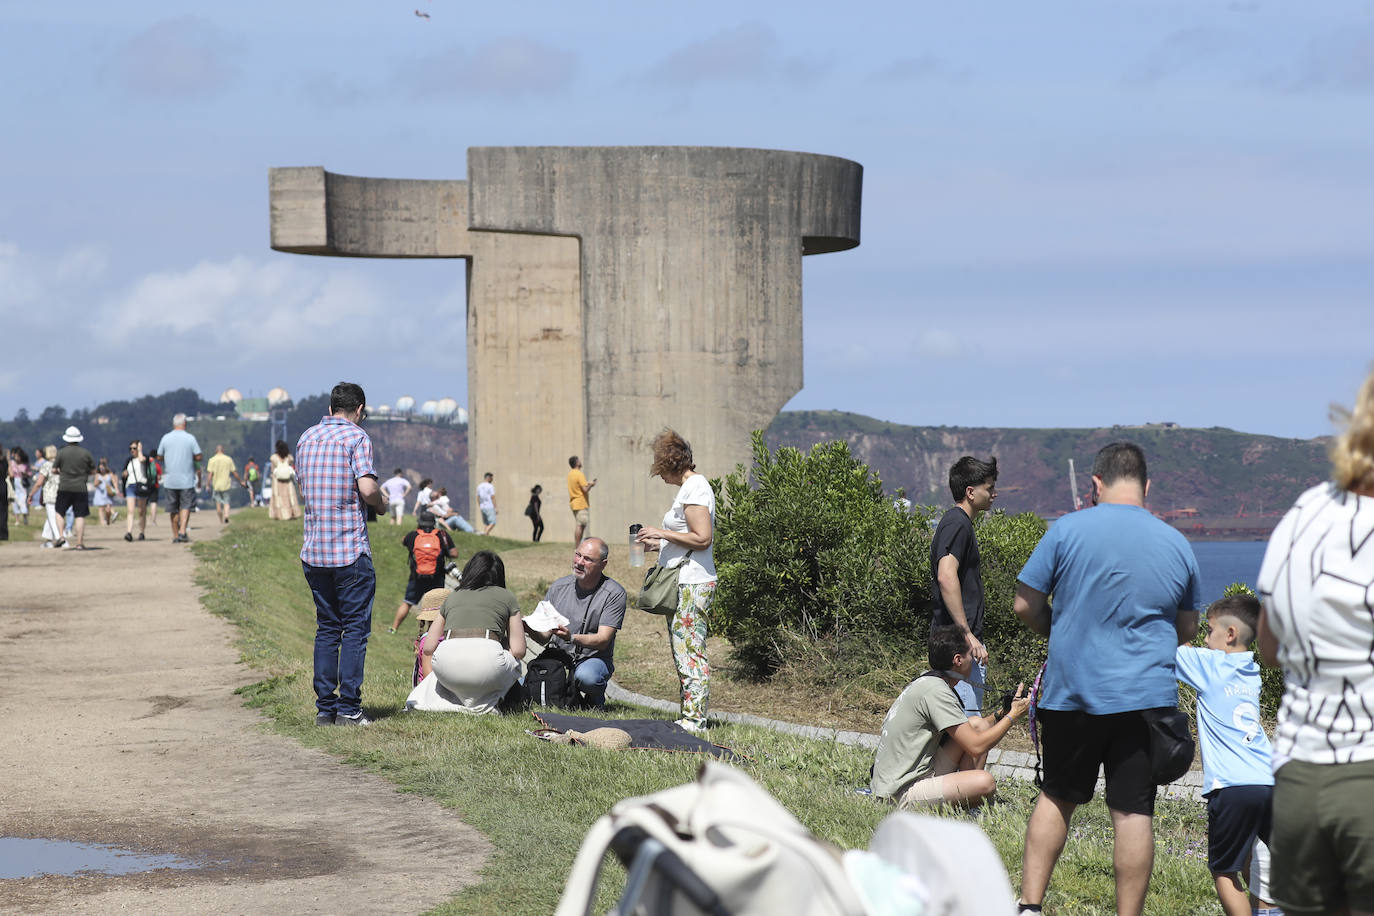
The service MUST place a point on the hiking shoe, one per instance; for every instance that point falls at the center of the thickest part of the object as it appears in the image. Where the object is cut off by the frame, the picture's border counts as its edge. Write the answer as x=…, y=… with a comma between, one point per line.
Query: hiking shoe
x=358, y=719
x=128, y=536
x=324, y=718
x=140, y=535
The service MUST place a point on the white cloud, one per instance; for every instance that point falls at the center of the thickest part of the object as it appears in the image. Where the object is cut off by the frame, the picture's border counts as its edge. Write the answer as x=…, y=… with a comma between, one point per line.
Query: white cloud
x=746, y=53
x=184, y=58
x=504, y=68
x=937, y=343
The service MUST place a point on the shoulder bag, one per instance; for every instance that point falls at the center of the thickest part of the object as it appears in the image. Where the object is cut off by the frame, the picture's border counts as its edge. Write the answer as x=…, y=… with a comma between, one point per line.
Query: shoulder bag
x=660, y=592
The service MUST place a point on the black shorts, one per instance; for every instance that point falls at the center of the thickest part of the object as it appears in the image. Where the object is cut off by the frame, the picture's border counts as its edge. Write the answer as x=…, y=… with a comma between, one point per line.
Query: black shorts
x=1236, y=815
x=1076, y=744
x=79, y=503
x=418, y=585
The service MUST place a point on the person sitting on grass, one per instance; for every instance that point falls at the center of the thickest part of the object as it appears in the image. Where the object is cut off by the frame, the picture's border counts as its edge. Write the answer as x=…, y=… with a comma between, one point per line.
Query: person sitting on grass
x=470, y=659
x=1237, y=774
x=428, y=547
x=931, y=752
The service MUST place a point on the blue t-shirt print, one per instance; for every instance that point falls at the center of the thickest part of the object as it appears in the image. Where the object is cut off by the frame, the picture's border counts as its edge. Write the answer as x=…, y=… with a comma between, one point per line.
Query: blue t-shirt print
x=1118, y=577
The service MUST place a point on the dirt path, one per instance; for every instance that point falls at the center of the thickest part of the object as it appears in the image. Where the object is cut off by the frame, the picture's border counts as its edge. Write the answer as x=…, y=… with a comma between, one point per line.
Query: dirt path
x=118, y=724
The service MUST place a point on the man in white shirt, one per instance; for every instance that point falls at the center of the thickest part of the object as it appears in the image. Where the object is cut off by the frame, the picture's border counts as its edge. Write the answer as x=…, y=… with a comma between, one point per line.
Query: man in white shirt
x=486, y=501
x=396, y=490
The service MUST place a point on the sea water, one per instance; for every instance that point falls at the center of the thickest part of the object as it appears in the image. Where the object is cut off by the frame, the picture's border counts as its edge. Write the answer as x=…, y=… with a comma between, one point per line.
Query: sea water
x=1221, y=563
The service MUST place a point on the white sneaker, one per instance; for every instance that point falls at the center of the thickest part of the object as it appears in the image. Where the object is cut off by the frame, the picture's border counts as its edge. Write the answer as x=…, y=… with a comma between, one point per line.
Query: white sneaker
x=689, y=726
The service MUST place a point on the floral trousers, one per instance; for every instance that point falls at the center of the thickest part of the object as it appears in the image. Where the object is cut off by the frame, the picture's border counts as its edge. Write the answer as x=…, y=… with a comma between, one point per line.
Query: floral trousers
x=687, y=636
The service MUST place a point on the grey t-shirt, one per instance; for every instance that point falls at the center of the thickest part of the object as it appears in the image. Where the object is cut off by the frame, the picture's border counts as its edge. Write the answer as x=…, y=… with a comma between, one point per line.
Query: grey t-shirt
x=911, y=734
x=73, y=464
x=587, y=613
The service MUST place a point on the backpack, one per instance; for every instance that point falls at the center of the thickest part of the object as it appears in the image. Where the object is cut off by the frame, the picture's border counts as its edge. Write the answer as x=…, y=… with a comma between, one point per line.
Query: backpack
x=722, y=845
x=427, y=549
x=548, y=679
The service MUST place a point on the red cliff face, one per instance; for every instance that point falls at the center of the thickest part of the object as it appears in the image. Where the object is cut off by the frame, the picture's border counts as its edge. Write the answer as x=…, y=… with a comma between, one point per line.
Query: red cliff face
x=1219, y=472
x=424, y=450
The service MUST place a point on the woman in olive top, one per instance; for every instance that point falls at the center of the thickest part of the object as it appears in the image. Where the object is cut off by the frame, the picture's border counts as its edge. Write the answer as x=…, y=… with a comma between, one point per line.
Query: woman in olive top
x=477, y=662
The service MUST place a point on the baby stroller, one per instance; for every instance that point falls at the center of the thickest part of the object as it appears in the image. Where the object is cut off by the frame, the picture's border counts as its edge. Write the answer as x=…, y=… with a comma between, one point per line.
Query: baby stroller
x=721, y=846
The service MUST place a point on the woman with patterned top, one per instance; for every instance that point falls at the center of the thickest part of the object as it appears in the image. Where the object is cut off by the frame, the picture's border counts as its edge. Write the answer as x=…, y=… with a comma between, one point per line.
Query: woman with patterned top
x=1317, y=588
x=686, y=536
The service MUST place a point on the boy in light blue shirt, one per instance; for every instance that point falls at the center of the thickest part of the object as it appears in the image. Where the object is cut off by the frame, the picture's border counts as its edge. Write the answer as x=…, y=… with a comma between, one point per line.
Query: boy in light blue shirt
x=1237, y=774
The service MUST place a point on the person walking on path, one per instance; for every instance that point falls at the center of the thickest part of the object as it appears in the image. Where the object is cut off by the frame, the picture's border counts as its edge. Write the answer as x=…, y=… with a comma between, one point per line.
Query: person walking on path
x=486, y=502
x=252, y=482
x=533, y=512
x=283, y=504
x=136, y=475
x=1124, y=586
x=956, y=567
x=396, y=490
x=579, y=499
x=45, y=492
x=338, y=481
x=105, y=492
x=20, y=480
x=69, y=469
x=181, y=455
x=685, y=539
x=9, y=497
x=222, y=469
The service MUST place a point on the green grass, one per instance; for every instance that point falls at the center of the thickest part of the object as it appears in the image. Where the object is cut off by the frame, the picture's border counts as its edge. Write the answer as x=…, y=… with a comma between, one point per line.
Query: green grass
x=534, y=800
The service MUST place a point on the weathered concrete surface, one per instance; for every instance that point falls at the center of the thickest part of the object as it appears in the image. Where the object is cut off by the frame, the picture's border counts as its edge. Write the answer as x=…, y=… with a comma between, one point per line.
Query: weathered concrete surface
x=612, y=291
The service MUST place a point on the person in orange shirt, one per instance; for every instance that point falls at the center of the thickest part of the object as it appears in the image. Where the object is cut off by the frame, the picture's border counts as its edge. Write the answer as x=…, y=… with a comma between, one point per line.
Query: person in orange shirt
x=579, y=488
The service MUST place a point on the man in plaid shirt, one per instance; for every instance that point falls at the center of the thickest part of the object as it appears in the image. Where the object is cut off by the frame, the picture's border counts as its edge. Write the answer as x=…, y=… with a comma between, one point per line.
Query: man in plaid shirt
x=336, y=476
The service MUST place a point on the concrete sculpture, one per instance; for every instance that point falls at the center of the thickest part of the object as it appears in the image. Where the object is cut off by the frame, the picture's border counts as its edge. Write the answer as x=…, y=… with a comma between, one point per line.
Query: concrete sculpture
x=612, y=291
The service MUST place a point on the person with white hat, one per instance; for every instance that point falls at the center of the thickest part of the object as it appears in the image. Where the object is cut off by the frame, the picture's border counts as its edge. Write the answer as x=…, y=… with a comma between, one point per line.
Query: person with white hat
x=73, y=465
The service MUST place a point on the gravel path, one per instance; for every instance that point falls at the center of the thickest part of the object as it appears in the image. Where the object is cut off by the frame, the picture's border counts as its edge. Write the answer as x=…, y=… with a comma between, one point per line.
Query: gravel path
x=120, y=726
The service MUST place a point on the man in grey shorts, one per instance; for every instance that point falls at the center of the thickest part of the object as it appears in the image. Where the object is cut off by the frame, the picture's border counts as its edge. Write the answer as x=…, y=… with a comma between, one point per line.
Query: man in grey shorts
x=180, y=454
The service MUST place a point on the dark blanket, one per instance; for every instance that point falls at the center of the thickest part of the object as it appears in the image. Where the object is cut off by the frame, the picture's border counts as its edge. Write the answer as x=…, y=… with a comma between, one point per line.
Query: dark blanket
x=645, y=734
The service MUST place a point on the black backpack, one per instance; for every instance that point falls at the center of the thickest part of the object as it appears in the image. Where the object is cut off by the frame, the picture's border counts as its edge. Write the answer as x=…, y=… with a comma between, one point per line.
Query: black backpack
x=548, y=679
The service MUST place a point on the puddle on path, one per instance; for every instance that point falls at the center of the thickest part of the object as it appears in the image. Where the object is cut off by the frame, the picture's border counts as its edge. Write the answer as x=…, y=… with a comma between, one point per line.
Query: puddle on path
x=28, y=858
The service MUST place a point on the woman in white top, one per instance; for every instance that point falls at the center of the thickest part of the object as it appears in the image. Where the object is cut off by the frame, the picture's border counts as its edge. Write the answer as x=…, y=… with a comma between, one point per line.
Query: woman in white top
x=688, y=530
x=136, y=476
x=1317, y=588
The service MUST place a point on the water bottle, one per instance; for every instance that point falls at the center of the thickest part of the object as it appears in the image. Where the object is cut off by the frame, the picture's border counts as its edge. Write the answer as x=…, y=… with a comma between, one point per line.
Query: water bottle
x=636, y=548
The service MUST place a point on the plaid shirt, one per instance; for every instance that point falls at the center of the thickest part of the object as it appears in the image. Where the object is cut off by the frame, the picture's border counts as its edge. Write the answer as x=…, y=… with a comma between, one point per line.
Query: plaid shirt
x=330, y=457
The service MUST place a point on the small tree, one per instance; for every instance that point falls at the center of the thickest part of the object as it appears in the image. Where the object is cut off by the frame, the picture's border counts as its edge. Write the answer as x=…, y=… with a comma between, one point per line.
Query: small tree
x=815, y=549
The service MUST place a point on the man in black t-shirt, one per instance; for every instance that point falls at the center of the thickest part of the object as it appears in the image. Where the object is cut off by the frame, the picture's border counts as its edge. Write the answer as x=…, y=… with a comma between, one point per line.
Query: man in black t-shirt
x=956, y=573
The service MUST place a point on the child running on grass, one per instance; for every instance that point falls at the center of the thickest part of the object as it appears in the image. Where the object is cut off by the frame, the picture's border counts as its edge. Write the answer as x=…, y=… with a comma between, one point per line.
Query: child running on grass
x=428, y=547
x=1237, y=774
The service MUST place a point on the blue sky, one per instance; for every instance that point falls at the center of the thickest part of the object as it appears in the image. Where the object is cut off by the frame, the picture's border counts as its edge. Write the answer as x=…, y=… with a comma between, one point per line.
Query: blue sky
x=1075, y=214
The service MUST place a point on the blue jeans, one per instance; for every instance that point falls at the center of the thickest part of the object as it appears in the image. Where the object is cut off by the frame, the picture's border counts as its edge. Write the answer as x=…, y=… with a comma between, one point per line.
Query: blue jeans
x=343, y=621
x=590, y=677
x=971, y=690
x=458, y=523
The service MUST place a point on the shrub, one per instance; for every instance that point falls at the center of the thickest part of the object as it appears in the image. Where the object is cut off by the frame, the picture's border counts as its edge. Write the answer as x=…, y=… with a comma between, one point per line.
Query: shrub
x=819, y=570
x=813, y=548
x=1005, y=543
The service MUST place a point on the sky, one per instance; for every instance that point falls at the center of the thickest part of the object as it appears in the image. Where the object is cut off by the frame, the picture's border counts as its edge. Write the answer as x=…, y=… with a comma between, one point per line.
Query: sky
x=1075, y=213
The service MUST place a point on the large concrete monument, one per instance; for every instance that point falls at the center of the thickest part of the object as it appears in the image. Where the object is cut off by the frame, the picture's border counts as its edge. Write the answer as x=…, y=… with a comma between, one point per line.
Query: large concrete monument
x=612, y=291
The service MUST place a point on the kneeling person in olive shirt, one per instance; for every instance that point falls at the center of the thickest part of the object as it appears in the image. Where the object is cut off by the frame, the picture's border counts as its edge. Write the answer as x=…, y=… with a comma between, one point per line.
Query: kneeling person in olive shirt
x=931, y=751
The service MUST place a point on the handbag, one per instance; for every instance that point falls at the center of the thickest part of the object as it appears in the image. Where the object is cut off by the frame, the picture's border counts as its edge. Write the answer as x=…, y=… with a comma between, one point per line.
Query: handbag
x=660, y=592
x=1171, y=743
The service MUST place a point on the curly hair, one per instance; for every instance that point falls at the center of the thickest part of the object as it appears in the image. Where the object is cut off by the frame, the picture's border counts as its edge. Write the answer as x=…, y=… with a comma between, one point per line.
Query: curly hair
x=672, y=455
x=1352, y=452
